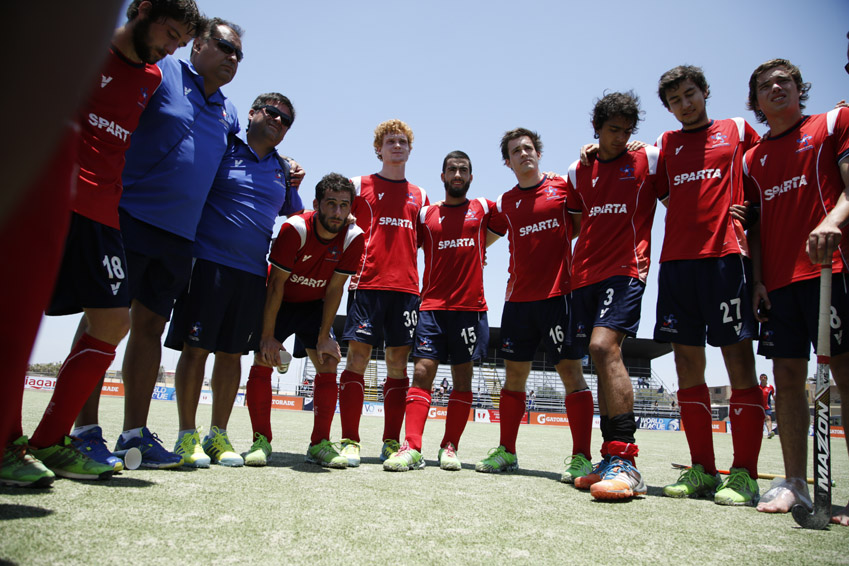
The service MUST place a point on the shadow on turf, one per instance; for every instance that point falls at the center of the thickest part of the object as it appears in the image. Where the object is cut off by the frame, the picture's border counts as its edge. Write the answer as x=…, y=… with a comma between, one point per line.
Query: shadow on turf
x=10, y=511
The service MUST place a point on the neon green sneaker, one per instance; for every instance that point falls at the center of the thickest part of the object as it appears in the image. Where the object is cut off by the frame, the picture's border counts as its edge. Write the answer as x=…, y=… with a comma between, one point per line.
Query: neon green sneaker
x=390, y=447
x=577, y=467
x=351, y=451
x=693, y=482
x=448, y=459
x=22, y=469
x=326, y=454
x=192, y=452
x=260, y=452
x=498, y=460
x=218, y=448
x=66, y=460
x=738, y=489
x=404, y=460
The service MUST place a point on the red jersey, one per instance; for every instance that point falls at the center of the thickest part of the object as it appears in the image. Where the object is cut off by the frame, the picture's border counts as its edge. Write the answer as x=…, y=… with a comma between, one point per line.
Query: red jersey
x=795, y=178
x=108, y=118
x=387, y=212
x=540, y=237
x=768, y=392
x=616, y=200
x=311, y=261
x=702, y=177
x=453, y=239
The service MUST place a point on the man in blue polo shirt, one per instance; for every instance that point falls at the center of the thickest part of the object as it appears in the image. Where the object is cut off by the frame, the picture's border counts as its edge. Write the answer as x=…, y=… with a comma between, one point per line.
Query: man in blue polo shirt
x=223, y=305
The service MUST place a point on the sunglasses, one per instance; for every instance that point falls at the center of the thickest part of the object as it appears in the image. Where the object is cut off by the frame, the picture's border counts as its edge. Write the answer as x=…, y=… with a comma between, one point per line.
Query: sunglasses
x=228, y=48
x=274, y=112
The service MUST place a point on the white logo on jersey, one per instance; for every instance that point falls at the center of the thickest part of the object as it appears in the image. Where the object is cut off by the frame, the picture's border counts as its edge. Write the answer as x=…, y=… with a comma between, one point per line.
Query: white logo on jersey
x=518, y=202
x=441, y=218
x=306, y=257
x=307, y=281
x=458, y=243
x=539, y=227
x=239, y=162
x=839, y=337
x=699, y=175
x=595, y=181
x=104, y=80
x=115, y=287
x=403, y=222
x=763, y=161
x=787, y=185
x=186, y=91
x=738, y=411
x=604, y=312
x=738, y=327
x=679, y=148
x=379, y=196
x=609, y=208
x=110, y=126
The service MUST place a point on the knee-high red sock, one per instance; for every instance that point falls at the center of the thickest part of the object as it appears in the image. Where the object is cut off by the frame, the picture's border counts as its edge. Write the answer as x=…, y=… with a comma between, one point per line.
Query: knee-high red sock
x=85, y=365
x=352, y=389
x=747, y=418
x=511, y=409
x=459, y=405
x=394, y=406
x=418, y=405
x=323, y=407
x=258, y=398
x=579, y=411
x=697, y=421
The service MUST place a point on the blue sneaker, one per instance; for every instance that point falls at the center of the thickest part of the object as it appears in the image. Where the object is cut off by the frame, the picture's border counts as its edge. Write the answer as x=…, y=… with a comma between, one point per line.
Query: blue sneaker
x=154, y=455
x=91, y=444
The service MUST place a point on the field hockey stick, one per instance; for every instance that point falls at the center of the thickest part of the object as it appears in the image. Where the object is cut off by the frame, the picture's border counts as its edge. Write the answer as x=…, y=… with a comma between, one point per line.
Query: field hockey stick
x=821, y=514
x=761, y=476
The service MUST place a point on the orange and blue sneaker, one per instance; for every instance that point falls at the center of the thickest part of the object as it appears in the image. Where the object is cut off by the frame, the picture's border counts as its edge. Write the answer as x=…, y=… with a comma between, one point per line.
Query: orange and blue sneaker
x=621, y=480
x=595, y=475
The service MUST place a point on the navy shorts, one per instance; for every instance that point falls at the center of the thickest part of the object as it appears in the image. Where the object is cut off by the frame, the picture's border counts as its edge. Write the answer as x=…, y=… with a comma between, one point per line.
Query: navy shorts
x=524, y=325
x=613, y=303
x=219, y=311
x=301, y=319
x=792, y=325
x=452, y=337
x=705, y=298
x=374, y=316
x=94, y=269
x=160, y=264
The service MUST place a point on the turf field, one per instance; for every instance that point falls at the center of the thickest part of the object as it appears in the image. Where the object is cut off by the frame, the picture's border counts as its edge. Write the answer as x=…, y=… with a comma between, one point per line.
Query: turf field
x=294, y=513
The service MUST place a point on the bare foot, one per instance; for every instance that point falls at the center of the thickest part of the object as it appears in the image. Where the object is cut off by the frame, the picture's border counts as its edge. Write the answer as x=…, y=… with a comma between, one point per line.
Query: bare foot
x=783, y=495
x=842, y=517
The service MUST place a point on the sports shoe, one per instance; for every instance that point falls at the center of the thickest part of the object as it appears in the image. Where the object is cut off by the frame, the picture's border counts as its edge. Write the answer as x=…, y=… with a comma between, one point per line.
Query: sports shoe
x=66, y=460
x=771, y=434
x=21, y=468
x=154, y=455
x=260, y=452
x=578, y=467
x=217, y=446
x=189, y=448
x=738, y=489
x=693, y=482
x=390, y=447
x=351, y=450
x=404, y=460
x=498, y=460
x=448, y=459
x=595, y=475
x=91, y=444
x=325, y=454
x=621, y=480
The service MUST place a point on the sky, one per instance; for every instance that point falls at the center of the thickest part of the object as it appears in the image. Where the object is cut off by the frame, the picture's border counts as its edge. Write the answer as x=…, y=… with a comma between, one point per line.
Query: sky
x=462, y=73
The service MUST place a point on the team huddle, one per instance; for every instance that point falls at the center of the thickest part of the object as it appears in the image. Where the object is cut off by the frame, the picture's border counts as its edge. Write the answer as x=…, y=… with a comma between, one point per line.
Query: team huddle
x=173, y=219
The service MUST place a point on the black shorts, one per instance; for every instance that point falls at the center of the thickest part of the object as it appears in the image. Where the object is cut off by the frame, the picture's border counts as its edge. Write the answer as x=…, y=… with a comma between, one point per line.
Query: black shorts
x=301, y=319
x=160, y=264
x=524, y=325
x=454, y=337
x=613, y=303
x=94, y=270
x=377, y=315
x=219, y=311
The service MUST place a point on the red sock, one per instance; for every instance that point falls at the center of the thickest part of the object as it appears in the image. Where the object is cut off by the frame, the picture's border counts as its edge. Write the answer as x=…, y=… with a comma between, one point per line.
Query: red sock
x=512, y=408
x=579, y=411
x=747, y=417
x=352, y=388
x=697, y=420
x=605, y=449
x=323, y=406
x=418, y=406
x=394, y=406
x=459, y=405
x=85, y=365
x=625, y=450
x=258, y=399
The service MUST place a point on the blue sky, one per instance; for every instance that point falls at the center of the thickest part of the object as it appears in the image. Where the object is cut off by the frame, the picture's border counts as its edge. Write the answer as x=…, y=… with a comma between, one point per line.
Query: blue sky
x=462, y=73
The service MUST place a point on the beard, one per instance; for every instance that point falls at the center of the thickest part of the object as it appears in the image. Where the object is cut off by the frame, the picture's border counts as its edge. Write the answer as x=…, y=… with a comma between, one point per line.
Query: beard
x=457, y=192
x=322, y=219
x=141, y=38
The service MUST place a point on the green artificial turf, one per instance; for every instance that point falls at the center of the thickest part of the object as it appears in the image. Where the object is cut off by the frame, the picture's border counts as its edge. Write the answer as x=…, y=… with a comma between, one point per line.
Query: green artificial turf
x=294, y=513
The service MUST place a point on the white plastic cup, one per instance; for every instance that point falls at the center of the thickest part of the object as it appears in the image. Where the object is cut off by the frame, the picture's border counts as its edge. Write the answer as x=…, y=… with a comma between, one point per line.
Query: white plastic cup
x=285, y=358
x=132, y=459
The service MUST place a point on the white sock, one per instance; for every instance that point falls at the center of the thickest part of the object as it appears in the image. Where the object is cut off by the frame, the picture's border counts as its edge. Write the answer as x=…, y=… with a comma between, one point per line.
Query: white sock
x=83, y=429
x=132, y=433
x=183, y=433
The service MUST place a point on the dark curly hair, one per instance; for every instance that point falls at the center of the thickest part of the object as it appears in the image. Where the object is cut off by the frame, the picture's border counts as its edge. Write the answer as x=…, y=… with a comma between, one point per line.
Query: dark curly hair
x=675, y=76
x=625, y=104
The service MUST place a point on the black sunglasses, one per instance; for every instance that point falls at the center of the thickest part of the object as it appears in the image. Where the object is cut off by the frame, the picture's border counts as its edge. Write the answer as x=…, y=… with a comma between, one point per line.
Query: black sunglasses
x=228, y=48
x=275, y=112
